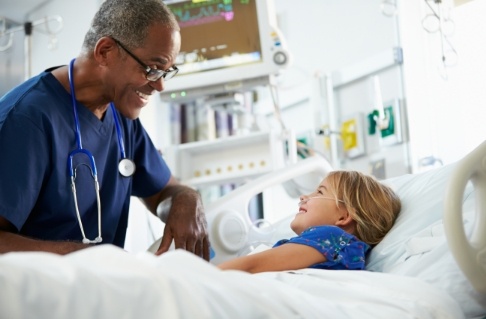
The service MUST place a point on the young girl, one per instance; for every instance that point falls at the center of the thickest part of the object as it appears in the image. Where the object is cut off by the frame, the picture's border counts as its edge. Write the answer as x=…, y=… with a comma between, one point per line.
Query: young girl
x=336, y=225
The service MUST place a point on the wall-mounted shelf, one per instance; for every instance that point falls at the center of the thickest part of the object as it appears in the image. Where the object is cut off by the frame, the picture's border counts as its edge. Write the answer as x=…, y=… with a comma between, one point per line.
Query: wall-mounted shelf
x=230, y=159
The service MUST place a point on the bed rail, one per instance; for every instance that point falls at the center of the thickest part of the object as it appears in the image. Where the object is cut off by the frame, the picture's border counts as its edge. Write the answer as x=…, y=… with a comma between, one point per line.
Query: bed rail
x=228, y=219
x=470, y=254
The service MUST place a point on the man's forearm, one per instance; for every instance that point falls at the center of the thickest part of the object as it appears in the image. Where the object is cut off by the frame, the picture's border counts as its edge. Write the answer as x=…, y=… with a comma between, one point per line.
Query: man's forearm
x=10, y=242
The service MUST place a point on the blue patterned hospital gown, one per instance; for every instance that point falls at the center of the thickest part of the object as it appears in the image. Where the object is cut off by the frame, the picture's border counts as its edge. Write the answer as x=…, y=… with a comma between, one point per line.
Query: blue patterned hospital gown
x=342, y=250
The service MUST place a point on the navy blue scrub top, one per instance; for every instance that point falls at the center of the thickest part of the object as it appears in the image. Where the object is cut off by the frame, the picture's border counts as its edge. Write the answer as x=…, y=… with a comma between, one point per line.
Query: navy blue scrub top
x=37, y=133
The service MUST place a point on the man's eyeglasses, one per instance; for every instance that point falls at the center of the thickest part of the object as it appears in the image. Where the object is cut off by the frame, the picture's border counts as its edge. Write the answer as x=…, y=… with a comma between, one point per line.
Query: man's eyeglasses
x=151, y=74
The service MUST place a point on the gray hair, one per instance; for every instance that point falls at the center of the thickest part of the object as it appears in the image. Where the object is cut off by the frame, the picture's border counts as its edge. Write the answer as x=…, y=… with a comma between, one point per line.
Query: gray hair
x=128, y=21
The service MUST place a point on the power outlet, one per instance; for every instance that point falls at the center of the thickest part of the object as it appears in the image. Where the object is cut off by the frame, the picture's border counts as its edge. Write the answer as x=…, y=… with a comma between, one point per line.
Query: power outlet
x=390, y=130
x=352, y=136
x=393, y=133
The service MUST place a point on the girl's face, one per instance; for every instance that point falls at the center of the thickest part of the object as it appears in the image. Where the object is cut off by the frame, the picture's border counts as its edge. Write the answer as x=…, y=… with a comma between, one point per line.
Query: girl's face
x=317, y=208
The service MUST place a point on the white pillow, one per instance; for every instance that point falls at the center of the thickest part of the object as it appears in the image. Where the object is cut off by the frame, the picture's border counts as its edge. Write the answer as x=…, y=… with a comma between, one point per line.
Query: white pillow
x=416, y=245
x=422, y=197
x=428, y=258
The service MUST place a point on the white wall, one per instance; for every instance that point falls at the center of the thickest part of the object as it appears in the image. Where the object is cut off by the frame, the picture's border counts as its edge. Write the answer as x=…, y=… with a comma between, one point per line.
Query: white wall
x=337, y=36
x=445, y=116
x=324, y=36
x=76, y=21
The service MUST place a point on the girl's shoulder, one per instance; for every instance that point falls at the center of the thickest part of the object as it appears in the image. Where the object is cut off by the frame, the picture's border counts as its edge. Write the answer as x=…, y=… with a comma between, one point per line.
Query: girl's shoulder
x=324, y=229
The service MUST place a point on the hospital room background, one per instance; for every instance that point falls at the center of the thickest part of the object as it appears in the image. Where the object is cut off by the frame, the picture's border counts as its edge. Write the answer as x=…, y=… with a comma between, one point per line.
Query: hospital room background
x=387, y=87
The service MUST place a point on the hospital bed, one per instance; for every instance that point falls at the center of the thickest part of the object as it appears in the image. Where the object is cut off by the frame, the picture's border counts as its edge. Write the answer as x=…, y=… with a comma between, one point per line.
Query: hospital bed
x=430, y=265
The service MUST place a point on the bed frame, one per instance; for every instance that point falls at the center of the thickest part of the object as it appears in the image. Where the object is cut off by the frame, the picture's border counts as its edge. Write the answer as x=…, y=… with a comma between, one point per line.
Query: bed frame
x=228, y=218
x=470, y=255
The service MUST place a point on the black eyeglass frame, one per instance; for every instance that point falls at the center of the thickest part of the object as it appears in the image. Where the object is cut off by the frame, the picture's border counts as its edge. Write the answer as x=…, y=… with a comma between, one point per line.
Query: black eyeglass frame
x=151, y=74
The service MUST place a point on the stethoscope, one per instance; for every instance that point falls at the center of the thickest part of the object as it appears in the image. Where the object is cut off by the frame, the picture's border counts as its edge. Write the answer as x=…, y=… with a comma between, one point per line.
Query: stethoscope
x=126, y=167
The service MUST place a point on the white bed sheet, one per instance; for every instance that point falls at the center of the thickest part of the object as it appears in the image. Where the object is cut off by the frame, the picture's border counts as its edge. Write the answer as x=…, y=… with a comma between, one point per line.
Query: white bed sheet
x=107, y=282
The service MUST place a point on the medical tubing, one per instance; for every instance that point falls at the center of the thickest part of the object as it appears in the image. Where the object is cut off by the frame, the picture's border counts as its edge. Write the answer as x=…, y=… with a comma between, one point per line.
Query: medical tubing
x=73, y=187
x=73, y=96
x=118, y=131
x=91, y=159
x=98, y=239
x=85, y=240
x=70, y=165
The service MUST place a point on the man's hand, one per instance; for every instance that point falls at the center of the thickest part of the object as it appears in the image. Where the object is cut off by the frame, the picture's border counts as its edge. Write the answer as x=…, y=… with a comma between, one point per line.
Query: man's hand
x=186, y=224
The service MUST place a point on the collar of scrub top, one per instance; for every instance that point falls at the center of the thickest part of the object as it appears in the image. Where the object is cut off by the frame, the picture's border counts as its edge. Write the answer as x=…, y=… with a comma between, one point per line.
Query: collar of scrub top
x=126, y=167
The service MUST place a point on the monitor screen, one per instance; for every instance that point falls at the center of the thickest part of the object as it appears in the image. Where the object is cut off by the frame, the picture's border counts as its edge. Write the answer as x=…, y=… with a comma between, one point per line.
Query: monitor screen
x=223, y=42
x=217, y=34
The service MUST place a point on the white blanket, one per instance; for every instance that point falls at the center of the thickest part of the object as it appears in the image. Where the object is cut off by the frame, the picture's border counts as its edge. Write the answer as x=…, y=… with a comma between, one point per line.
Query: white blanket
x=107, y=282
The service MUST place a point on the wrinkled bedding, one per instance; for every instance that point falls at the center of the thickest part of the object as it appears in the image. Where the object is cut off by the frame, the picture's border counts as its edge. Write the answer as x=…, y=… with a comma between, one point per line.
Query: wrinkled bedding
x=107, y=282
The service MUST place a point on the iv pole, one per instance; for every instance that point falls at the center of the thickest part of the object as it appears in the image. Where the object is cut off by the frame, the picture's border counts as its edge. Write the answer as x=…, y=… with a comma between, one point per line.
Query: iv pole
x=28, y=28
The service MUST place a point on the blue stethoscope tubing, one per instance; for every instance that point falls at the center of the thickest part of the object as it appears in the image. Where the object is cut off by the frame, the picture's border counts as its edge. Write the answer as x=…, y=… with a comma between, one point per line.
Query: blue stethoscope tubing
x=126, y=166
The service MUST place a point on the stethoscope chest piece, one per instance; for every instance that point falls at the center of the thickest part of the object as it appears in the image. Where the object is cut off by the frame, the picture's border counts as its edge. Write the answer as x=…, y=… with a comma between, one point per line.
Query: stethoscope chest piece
x=126, y=167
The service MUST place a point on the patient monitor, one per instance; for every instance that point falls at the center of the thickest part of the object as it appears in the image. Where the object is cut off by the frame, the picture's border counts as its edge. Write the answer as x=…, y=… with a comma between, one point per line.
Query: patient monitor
x=227, y=46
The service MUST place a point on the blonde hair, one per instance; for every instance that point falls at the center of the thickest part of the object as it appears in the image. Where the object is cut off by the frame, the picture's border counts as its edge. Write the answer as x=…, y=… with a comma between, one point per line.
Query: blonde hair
x=372, y=205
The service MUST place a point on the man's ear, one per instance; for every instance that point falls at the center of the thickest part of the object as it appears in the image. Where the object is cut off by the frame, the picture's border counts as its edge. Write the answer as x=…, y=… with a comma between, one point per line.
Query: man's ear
x=104, y=49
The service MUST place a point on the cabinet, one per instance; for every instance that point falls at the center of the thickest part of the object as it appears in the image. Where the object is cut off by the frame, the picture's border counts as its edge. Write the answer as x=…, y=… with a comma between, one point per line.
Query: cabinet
x=232, y=159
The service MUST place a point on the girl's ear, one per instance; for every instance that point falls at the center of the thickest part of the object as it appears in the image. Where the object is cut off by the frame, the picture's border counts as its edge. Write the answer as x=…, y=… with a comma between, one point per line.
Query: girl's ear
x=345, y=219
